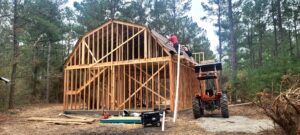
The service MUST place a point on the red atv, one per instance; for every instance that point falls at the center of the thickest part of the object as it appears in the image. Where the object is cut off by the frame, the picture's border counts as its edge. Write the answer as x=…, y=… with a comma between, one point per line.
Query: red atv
x=209, y=97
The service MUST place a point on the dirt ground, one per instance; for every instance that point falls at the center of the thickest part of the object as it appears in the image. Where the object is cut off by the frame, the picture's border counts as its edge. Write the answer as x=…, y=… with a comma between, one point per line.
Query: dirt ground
x=15, y=122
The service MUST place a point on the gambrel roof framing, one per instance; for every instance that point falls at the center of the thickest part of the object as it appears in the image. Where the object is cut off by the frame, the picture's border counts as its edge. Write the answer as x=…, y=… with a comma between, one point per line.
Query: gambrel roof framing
x=121, y=65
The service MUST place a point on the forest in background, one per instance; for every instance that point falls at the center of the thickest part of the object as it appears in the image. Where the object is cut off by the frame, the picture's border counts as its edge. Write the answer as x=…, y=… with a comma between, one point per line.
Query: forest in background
x=258, y=40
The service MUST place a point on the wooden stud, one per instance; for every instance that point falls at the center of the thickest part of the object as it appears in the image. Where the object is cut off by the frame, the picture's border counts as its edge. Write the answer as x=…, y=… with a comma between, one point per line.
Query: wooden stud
x=127, y=55
x=129, y=86
x=76, y=88
x=117, y=44
x=93, y=47
x=152, y=87
x=84, y=91
x=98, y=44
x=147, y=98
x=141, y=91
x=94, y=98
x=172, y=84
x=158, y=85
x=89, y=90
x=82, y=53
x=108, y=90
x=135, y=87
x=88, y=55
x=113, y=88
x=80, y=84
x=139, y=46
x=65, y=90
x=132, y=46
x=98, y=93
x=165, y=85
x=103, y=91
x=72, y=88
x=122, y=39
x=106, y=45
x=112, y=43
x=102, y=43
x=145, y=45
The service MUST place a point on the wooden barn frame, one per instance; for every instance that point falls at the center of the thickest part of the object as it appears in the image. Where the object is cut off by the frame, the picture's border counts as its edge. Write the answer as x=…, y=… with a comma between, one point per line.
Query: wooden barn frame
x=121, y=65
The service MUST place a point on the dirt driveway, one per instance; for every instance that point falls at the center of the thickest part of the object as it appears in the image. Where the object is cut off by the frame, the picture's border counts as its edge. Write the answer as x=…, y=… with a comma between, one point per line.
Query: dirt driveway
x=15, y=122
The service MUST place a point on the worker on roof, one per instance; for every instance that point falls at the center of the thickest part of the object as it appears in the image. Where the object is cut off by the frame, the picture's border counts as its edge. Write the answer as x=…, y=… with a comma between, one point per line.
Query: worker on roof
x=188, y=51
x=174, y=41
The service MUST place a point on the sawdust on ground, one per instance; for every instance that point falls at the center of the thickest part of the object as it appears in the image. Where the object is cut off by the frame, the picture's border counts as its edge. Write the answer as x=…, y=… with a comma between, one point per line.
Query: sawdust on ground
x=15, y=122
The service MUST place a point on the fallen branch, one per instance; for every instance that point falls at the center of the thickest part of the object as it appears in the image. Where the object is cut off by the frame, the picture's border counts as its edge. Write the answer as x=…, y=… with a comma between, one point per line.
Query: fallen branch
x=249, y=103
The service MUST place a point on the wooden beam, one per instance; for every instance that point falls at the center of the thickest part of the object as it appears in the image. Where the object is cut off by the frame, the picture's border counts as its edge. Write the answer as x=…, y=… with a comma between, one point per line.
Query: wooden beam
x=149, y=75
x=111, y=43
x=91, y=53
x=137, y=90
x=82, y=53
x=129, y=87
x=143, y=86
x=65, y=90
x=103, y=83
x=129, y=24
x=102, y=26
x=172, y=84
x=141, y=91
x=86, y=83
x=116, y=48
x=145, y=45
x=84, y=91
x=98, y=91
x=113, y=87
x=129, y=62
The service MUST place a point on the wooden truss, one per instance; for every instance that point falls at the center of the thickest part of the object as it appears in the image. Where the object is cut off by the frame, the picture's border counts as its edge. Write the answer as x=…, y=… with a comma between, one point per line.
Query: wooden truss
x=119, y=66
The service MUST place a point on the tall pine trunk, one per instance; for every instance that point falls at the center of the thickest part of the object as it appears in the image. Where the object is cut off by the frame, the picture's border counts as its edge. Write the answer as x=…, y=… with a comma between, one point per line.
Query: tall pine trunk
x=35, y=67
x=250, y=46
x=48, y=73
x=290, y=43
x=295, y=33
x=219, y=31
x=275, y=52
x=15, y=56
x=233, y=43
x=278, y=5
x=260, y=51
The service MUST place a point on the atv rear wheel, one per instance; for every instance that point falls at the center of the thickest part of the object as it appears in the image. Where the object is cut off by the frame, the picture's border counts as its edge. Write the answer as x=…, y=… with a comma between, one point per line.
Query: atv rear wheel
x=224, y=106
x=197, y=109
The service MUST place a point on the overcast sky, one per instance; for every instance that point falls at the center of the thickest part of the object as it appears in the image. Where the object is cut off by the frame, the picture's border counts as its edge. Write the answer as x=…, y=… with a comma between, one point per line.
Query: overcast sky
x=196, y=13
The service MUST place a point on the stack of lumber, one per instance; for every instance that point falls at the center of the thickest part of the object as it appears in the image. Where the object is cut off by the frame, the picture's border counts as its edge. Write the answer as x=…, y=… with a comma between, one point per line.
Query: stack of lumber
x=66, y=120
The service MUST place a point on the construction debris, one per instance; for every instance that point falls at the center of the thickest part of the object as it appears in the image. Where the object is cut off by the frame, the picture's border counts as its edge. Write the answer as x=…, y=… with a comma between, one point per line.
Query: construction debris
x=76, y=120
x=285, y=109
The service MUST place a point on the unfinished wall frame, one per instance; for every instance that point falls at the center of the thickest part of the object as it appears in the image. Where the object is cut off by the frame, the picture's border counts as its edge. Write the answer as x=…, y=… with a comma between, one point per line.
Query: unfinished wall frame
x=121, y=65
